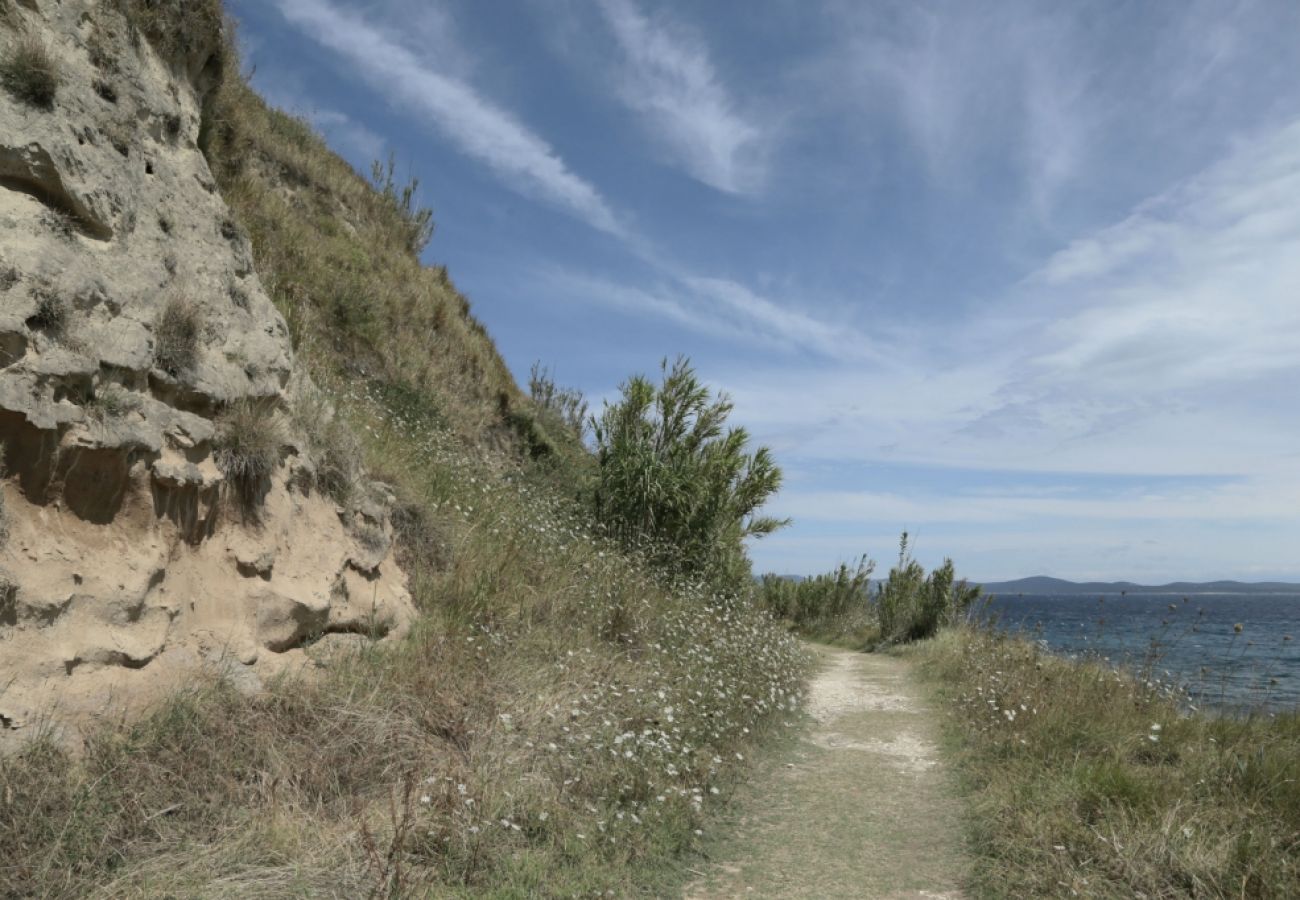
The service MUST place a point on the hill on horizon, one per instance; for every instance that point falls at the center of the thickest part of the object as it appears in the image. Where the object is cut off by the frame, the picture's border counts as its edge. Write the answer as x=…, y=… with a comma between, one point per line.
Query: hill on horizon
x=1043, y=584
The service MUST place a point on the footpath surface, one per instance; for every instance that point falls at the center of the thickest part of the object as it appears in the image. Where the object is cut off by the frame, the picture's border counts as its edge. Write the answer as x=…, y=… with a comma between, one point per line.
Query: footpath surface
x=862, y=807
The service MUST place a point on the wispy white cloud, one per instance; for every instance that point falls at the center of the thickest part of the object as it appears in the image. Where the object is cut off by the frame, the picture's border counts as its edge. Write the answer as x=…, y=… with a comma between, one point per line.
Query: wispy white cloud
x=1163, y=343
x=477, y=126
x=668, y=76
x=966, y=106
x=720, y=308
x=1198, y=286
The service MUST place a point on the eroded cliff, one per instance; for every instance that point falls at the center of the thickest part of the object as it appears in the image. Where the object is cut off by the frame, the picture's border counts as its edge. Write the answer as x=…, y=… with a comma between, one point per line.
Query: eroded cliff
x=162, y=509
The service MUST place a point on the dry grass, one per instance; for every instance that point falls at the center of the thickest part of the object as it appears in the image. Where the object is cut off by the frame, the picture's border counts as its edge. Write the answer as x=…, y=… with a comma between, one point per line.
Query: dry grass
x=30, y=73
x=1085, y=782
x=53, y=314
x=176, y=334
x=250, y=437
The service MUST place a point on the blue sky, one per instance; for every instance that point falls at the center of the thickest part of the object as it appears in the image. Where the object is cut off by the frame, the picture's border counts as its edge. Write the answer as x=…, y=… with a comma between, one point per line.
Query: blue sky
x=1021, y=277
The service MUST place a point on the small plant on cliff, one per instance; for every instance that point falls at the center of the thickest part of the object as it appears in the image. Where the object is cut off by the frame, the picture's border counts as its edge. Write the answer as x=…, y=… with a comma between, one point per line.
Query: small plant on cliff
x=417, y=221
x=30, y=73
x=248, y=442
x=176, y=336
x=51, y=314
x=672, y=479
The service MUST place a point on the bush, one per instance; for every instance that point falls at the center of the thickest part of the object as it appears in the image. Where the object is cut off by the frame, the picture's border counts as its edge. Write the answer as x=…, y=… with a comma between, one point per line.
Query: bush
x=566, y=406
x=249, y=438
x=671, y=480
x=52, y=314
x=913, y=606
x=30, y=73
x=417, y=221
x=832, y=602
x=176, y=335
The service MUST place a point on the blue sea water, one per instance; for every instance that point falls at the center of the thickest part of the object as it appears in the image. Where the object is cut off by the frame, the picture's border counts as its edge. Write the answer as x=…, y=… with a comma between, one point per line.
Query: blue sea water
x=1190, y=640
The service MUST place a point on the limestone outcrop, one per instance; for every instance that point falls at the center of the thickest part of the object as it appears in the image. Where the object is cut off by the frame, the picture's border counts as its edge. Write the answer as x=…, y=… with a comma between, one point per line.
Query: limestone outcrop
x=135, y=542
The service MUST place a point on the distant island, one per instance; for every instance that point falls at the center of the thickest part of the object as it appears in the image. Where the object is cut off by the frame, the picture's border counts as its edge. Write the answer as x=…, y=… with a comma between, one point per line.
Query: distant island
x=1042, y=584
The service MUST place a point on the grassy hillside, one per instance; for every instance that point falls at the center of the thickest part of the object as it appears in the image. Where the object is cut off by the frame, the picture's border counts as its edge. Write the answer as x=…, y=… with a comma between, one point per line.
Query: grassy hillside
x=561, y=719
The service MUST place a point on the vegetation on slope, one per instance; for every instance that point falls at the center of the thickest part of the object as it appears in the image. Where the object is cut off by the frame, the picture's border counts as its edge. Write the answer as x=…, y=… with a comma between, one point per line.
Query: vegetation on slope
x=1083, y=781
x=562, y=716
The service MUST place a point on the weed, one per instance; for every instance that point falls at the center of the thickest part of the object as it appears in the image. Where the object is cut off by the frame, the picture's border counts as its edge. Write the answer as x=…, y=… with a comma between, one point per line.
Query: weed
x=30, y=73
x=52, y=315
x=176, y=334
x=110, y=402
x=247, y=449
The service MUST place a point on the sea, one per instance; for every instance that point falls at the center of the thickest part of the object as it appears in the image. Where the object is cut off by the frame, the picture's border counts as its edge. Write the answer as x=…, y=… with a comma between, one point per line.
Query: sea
x=1236, y=652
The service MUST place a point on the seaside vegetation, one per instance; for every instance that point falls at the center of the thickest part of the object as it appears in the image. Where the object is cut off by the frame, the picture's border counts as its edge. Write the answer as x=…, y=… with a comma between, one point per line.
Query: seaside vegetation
x=568, y=708
x=1085, y=781
x=843, y=608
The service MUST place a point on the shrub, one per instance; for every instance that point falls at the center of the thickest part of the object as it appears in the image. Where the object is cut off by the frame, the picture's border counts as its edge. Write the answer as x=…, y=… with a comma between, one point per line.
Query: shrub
x=564, y=405
x=249, y=438
x=176, y=335
x=30, y=73
x=913, y=606
x=671, y=479
x=417, y=221
x=832, y=602
x=52, y=314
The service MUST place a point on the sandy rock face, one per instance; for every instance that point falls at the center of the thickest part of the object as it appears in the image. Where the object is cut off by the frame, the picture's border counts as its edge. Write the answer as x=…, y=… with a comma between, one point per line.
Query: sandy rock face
x=130, y=318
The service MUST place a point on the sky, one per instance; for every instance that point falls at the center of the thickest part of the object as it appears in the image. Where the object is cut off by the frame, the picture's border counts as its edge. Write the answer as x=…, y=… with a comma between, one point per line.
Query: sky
x=1020, y=278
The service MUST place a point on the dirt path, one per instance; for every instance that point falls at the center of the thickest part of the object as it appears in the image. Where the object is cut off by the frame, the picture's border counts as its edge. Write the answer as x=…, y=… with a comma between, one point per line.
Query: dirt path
x=860, y=808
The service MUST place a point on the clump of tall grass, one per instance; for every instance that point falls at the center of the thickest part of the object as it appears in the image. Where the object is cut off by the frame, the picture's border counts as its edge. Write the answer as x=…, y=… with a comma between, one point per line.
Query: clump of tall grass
x=30, y=72
x=912, y=605
x=176, y=334
x=247, y=449
x=53, y=313
x=1085, y=781
x=672, y=477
